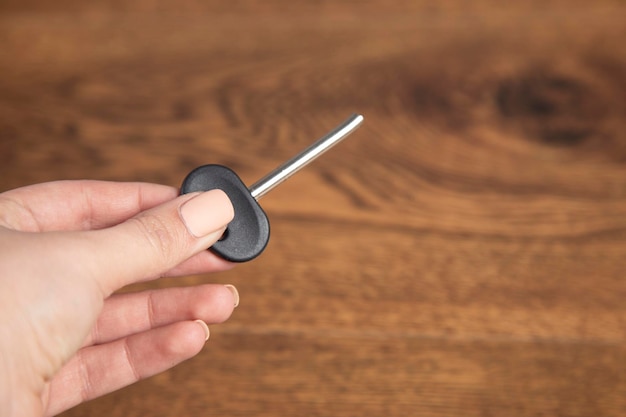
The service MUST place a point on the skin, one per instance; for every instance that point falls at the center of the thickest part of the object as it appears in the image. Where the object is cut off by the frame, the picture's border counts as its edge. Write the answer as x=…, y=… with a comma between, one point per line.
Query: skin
x=65, y=248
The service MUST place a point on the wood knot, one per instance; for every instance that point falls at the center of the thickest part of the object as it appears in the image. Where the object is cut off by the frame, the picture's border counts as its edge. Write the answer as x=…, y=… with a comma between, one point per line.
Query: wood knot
x=552, y=108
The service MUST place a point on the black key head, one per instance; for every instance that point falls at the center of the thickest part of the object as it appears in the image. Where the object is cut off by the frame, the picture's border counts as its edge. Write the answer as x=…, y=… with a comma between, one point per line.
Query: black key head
x=249, y=231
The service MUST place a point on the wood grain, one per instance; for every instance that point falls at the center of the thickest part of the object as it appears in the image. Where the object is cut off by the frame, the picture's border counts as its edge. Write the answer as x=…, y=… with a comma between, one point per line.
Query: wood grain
x=462, y=254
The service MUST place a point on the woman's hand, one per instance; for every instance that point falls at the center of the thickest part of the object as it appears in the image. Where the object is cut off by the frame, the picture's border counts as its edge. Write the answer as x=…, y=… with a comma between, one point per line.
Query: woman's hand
x=65, y=247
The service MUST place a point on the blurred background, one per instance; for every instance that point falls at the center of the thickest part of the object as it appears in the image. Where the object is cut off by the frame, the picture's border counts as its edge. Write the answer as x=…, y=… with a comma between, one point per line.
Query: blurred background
x=463, y=253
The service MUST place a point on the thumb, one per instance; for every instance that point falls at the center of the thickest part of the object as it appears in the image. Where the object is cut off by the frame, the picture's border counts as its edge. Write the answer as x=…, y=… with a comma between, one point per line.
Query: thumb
x=156, y=240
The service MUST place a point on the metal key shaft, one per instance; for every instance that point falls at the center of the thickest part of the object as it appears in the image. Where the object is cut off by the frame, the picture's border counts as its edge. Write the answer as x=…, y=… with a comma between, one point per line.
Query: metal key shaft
x=290, y=167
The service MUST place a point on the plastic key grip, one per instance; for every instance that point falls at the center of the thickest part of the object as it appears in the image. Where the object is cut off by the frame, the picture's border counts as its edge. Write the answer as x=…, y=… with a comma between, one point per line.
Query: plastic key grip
x=249, y=231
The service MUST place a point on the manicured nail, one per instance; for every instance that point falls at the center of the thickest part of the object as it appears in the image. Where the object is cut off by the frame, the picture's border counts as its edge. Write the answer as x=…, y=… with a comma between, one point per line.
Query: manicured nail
x=207, y=212
x=235, y=293
x=207, y=333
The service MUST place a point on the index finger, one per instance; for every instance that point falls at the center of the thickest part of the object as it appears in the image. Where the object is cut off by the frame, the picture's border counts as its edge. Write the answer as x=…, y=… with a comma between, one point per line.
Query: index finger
x=78, y=205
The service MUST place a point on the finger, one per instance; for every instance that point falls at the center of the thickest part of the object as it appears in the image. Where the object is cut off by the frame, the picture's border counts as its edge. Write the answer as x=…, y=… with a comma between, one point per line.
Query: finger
x=98, y=370
x=202, y=262
x=78, y=205
x=157, y=240
x=126, y=314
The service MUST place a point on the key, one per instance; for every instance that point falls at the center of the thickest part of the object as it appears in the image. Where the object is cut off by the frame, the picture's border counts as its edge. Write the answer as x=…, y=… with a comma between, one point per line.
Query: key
x=248, y=233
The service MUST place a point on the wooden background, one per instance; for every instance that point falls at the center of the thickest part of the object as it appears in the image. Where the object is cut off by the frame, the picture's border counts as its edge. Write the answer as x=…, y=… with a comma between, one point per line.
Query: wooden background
x=462, y=254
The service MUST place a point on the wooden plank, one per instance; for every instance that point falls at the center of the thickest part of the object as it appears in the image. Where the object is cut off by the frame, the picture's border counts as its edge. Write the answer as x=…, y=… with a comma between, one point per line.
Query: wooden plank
x=279, y=373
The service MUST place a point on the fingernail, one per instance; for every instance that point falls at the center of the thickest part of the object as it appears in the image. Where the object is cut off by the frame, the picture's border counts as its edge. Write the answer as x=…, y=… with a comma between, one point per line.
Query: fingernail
x=235, y=293
x=207, y=212
x=207, y=333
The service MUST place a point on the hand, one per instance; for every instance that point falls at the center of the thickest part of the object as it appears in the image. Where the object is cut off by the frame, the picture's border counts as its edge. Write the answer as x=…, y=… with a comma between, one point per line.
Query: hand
x=65, y=247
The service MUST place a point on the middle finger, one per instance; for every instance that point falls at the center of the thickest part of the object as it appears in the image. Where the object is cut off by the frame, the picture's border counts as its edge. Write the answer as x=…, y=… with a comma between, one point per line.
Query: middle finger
x=130, y=313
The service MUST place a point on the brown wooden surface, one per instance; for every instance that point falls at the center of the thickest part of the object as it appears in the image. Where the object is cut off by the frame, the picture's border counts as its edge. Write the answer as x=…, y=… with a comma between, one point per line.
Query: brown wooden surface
x=462, y=254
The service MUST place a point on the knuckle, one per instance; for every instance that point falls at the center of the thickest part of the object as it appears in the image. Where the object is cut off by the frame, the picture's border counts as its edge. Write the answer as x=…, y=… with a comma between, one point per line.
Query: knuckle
x=160, y=236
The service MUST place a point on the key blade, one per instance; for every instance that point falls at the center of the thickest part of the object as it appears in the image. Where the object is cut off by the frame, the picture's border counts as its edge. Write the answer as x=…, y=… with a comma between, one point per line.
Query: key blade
x=286, y=170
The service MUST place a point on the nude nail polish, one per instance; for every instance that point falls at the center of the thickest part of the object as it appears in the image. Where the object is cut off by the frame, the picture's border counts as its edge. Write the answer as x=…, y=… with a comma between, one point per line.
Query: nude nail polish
x=204, y=326
x=207, y=212
x=233, y=289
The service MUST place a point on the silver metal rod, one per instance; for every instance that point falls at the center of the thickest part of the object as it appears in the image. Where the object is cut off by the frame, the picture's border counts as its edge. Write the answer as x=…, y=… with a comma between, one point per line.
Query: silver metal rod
x=280, y=174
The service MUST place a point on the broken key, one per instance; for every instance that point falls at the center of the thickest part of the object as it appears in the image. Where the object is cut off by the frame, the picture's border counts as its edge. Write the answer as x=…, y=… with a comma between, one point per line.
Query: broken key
x=248, y=233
